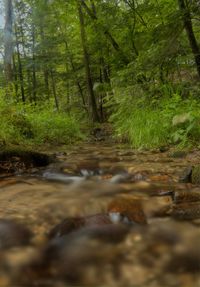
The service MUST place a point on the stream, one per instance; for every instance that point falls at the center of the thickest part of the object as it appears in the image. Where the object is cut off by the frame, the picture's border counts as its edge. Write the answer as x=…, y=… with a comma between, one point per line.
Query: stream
x=102, y=215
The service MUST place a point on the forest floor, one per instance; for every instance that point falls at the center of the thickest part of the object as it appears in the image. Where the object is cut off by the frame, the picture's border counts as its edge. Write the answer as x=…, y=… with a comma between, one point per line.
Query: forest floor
x=129, y=221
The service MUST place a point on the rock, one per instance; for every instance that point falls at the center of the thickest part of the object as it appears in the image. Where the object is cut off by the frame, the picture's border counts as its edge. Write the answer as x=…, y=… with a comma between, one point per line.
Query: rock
x=185, y=196
x=82, y=257
x=191, y=174
x=163, y=148
x=186, y=211
x=13, y=234
x=186, y=175
x=126, y=210
x=195, y=178
x=181, y=119
x=71, y=224
x=178, y=154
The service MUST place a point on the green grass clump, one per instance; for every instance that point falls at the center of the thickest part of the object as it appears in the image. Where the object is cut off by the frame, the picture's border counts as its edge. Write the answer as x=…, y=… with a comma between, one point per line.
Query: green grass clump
x=142, y=128
x=27, y=124
x=148, y=123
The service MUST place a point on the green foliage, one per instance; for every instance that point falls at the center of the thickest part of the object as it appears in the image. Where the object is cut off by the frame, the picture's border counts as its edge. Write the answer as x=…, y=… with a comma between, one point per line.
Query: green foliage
x=151, y=121
x=36, y=125
x=50, y=126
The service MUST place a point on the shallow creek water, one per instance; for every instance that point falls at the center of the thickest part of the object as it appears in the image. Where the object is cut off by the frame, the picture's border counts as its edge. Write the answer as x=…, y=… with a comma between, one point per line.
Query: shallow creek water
x=142, y=235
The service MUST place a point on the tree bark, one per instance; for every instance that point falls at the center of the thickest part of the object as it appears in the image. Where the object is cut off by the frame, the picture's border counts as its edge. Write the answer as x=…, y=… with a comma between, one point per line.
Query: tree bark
x=34, y=80
x=92, y=100
x=54, y=90
x=8, y=40
x=190, y=33
x=20, y=70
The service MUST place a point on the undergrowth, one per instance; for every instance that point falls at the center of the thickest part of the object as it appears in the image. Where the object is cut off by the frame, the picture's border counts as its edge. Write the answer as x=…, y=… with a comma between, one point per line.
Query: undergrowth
x=33, y=125
x=150, y=120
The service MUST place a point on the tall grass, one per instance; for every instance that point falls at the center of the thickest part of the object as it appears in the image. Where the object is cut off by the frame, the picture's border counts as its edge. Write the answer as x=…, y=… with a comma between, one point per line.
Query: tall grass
x=147, y=122
x=27, y=124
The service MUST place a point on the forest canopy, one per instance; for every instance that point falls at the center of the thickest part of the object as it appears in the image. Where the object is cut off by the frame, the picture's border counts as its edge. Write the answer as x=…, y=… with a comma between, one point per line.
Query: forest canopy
x=67, y=66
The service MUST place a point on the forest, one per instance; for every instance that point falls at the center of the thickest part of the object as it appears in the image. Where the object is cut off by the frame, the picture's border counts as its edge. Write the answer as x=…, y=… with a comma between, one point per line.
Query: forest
x=99, y=143
x=70, y=67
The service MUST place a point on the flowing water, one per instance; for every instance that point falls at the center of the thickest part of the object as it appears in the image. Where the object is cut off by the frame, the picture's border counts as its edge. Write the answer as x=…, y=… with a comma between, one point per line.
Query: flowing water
x=129, y=222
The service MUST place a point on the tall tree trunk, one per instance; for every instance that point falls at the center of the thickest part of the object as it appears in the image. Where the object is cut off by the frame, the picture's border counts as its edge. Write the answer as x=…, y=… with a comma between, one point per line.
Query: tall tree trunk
x=80, y=90
x=45, y=55
x=8, y=40
x=92, y=100
x=15, y=78
x=190, y=33
x=54, y=90
x=34, y=80
x=20, y=70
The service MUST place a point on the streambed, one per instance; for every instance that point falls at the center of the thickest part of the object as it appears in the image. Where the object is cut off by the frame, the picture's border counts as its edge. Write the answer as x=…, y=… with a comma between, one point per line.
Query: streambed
x=124, y=224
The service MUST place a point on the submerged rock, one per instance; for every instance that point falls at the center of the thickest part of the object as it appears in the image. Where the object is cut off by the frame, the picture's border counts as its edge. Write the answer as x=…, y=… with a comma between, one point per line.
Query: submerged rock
x=13, y=234
x=186, y=211
x=71, y=224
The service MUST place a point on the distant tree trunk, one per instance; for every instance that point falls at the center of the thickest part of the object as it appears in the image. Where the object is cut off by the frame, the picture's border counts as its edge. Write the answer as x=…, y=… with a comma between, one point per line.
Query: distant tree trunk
x=15, y=77
x=54, y=90
x=92, y=100
x=20, y=70
x=45, y=55
x=34, y=81
x=8, y=40
x=190, y=33
x=22, y=39
x=80, y=90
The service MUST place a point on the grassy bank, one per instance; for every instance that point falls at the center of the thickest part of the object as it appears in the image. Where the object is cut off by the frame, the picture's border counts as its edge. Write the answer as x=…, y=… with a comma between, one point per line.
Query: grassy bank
x=31, y=125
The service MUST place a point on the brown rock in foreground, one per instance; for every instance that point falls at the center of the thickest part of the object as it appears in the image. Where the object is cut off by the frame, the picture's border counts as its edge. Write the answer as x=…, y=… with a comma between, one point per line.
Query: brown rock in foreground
x=127, y=210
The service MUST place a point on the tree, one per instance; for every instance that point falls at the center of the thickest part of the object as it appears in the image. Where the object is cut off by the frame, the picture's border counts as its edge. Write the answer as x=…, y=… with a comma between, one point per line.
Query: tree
x=184, y=8
x=8, y=40
x=92, y=100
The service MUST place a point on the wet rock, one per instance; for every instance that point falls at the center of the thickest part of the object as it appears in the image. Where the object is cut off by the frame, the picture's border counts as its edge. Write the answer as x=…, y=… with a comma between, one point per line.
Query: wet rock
x=126, y=210
x=13, y=234
x=186, y=211
x=185, y=196
x=185, y=257
x=160, y=177
x=88, y=167
x=163, y=148
x=36, y=158
x=186, y=175
x=74, y=223
x=82, y=257
x=178, y=154
x=195, y=178
x=191, y=174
